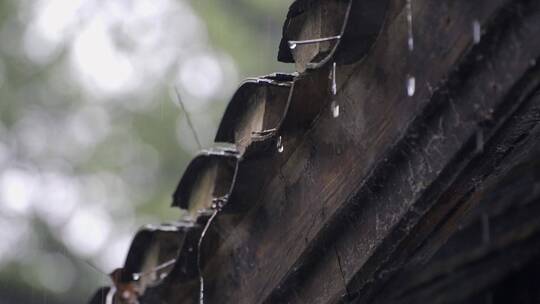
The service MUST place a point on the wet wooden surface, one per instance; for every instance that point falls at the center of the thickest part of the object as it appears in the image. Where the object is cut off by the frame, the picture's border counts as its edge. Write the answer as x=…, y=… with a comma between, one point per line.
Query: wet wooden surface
x=358, y=207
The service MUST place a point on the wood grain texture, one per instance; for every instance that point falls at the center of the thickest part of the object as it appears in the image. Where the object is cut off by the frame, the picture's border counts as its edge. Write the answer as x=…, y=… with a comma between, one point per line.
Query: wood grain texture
x=356, y=206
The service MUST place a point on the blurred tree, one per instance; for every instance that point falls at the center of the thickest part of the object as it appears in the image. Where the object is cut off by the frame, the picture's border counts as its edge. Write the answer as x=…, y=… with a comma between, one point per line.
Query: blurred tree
x=92, y=142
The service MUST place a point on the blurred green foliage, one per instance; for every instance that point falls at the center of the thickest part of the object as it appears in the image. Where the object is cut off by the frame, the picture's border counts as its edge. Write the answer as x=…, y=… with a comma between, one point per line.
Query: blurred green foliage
x=120, y=155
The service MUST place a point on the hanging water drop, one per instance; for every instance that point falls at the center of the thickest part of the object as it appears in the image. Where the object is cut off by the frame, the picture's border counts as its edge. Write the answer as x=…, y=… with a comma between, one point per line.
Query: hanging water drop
x=477, y=32
x=410, y=40
x=411, y=86
x=279, y=145
x=334, y=107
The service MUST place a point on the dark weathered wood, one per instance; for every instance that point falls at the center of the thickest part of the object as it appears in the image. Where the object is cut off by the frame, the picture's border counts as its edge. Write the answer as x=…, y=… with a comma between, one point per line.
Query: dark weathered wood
x=360, y=185
x=386, y=202
x=519, y=287
x=450, y=138
x=351, y=27
x=498, y=234
x=255, y=112
x=207, y=182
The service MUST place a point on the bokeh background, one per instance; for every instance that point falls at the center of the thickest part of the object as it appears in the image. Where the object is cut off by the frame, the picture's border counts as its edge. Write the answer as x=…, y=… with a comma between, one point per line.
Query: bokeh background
x=92, y=139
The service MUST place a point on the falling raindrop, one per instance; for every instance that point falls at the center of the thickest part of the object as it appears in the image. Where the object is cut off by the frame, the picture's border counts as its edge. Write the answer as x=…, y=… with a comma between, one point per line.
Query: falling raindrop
x=410, y=39
x=335, y=109
x=334, y=83
x=279, y=145
x=411, y=43
x=411, y=81
x=292, y=45
x=411, y=86
x=477, y=32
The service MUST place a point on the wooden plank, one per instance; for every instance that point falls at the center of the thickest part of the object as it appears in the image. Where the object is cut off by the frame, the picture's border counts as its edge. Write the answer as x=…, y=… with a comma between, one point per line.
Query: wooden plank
x=359, y=185
x=354, y=202
x=497, y=236
x=449, y=143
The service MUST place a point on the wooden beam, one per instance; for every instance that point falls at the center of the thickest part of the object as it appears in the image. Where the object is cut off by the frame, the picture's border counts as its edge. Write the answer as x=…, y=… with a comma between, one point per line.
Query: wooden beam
x=357, y=199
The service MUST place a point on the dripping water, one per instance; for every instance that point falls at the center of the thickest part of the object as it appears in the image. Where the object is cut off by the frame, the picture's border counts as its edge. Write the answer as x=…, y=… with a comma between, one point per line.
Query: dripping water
x=333, y=76
x=477, y=32
x=294, y=43
x=279, y=145
x=334, y=107
x=410, y=40
x=137, y=276
x=199, y=245
x=411, y=85
x=411, y=80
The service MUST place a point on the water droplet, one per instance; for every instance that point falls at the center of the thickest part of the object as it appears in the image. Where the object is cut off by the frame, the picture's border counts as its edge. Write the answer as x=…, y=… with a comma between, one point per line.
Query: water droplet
x=334, y=83
x=410, y=40
x=292, y=45
x=279, y=145
x=477, y=32
x=335, y=109
x=136, y=276
x=411, y=43
x=411, y=86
